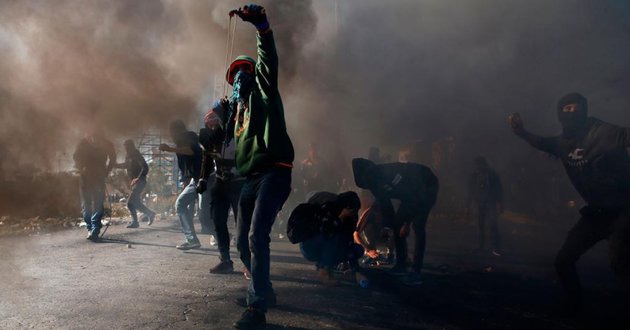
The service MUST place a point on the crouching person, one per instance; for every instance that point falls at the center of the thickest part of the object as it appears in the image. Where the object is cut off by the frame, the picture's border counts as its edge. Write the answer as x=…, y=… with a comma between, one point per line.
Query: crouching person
x=337, y=217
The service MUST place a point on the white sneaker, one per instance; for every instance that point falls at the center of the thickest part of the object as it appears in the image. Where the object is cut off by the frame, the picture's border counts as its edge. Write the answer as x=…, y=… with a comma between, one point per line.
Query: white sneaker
x=213, y=241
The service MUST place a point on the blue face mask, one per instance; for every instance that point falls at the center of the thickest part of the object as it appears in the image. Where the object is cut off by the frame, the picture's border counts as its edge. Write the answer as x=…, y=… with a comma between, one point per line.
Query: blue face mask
x=243, y=86
x=242, y=89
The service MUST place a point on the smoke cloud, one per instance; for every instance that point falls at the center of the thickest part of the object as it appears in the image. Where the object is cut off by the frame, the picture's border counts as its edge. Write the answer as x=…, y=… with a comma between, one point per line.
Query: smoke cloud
x=123, y=65
x=353, y=73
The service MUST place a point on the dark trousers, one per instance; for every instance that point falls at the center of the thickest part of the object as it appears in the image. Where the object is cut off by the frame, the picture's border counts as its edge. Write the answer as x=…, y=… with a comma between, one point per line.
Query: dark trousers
x=224, y=194
x=330, y=250
x=414, y=211
x=92, y=197
x=585, y=234
x=487, y=218
x=262, y=197
x=134, y=203
x=418, y=225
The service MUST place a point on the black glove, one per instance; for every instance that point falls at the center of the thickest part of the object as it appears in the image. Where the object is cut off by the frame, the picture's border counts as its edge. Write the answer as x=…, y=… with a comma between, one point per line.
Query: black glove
x=254, y=14
x=202, y=186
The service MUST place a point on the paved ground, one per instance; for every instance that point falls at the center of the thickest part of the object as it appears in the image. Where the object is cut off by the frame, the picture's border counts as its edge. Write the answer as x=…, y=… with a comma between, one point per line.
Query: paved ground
x=136, y=279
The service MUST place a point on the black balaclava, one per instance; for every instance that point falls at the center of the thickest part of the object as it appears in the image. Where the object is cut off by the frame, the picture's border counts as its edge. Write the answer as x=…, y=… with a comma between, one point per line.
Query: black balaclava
x=573, y=122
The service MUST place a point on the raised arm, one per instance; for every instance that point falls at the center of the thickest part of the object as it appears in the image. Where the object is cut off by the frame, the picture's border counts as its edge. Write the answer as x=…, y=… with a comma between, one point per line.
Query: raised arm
x=267, y=65
x=546, y=144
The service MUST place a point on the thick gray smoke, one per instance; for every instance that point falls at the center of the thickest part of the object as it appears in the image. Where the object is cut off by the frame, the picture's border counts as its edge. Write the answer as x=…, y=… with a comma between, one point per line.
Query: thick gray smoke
x=123, y=65
x=356, y=73
x=395, y=71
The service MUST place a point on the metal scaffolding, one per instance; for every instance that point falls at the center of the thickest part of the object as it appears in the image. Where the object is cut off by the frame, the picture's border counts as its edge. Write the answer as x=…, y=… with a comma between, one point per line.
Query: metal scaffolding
x=148, y=145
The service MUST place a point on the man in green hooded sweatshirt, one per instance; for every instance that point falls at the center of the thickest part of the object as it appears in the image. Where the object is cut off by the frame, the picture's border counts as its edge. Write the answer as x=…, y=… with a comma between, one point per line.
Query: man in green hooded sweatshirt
x=264, y=156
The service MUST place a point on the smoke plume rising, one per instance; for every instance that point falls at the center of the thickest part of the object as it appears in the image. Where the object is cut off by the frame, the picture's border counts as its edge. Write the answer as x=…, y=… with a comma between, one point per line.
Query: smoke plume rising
x=352, y=73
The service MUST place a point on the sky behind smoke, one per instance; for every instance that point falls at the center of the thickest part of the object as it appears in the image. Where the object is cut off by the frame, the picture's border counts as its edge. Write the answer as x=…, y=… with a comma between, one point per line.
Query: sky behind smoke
x=353, y=73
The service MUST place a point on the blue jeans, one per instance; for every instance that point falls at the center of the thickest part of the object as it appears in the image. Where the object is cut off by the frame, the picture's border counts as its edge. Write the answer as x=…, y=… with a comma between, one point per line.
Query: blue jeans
x=185, y=206
x=135, y=204
x=225, y=194
x=92, y=198
x=262, y=196
x=328, y=251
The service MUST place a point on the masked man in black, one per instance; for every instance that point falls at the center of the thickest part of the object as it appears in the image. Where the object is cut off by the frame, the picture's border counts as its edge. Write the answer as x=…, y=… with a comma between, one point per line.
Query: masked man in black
x=595, y=157
x=416, y=187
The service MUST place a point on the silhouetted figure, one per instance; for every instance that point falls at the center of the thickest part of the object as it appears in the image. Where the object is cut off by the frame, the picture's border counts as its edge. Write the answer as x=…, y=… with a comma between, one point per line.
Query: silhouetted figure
x=264, y=155
x=94, y=158
x=189, y=157
x=334, y=243
x=595, y=157
x=137, y=170
x=225, y=191
x=485, y=195
x=416, y=187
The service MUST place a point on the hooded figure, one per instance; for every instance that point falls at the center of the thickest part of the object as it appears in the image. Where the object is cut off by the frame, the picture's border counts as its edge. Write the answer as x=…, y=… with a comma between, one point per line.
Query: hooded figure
x=572, y=114
x=595, y=157
x=416, y=187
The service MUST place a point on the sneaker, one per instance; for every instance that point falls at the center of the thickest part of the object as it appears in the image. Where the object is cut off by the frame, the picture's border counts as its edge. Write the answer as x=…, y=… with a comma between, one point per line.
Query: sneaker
x=133, y=224
x=93, y=235
x=272, y=301
x=252, y=318
x=151, y=219
x=326, y=278
x=213, y=241
x=188, y=245
x=223, y=267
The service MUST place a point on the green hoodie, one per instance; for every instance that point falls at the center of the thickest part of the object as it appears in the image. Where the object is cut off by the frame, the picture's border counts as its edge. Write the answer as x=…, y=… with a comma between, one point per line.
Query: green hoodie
x=261, y=139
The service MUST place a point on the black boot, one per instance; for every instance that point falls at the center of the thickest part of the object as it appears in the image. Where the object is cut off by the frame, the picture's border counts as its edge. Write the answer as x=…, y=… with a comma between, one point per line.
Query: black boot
x=252, y=318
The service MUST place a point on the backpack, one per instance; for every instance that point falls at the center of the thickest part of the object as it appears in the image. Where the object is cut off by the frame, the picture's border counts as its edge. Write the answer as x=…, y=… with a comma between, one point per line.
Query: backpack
x=308, y=220
x=304, y=223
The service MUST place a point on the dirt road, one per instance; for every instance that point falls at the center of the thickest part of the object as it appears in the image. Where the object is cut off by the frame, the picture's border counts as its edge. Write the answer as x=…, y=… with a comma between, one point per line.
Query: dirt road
x=136, y=279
